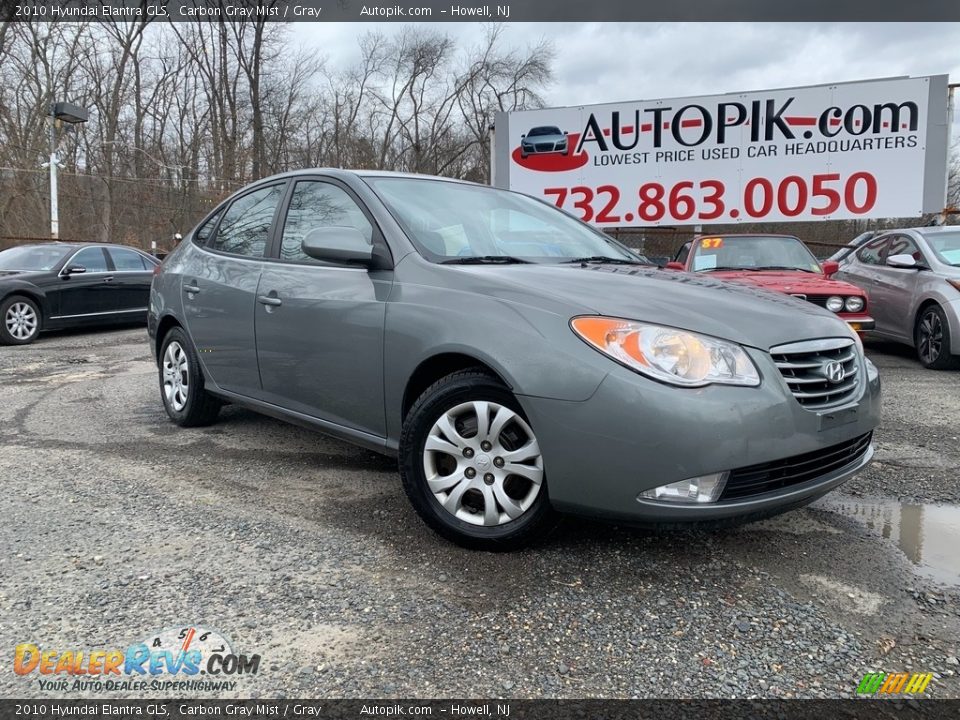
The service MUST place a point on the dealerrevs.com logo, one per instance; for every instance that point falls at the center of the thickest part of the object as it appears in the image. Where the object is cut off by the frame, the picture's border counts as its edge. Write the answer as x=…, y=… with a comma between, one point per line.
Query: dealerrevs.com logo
x=172, y=659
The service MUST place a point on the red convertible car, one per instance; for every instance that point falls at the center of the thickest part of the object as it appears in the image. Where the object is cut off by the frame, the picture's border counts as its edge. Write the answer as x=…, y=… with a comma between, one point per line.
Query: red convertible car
x=781, y=263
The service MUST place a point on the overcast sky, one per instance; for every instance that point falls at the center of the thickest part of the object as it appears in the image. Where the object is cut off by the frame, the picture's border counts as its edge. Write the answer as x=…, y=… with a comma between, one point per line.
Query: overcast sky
x=606, y=62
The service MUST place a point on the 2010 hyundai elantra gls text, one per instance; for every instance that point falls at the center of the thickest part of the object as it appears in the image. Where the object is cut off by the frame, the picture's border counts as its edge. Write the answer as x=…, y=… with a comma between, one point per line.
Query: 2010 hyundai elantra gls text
x=517, y=361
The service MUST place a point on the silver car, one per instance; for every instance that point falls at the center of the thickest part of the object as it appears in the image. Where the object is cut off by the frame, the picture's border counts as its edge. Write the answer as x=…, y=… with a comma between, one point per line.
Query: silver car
x=516, y=361
x=543, y=139
x=912, y=278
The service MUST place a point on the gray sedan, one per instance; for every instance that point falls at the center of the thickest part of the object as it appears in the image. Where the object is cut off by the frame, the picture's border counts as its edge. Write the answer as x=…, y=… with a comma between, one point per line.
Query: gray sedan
x=517, y=361
x=912, y=277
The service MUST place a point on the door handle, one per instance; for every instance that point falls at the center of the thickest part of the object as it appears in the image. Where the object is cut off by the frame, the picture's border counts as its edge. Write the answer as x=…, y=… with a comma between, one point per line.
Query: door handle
x=193, y=289
x=108, y=279
x=269, y=300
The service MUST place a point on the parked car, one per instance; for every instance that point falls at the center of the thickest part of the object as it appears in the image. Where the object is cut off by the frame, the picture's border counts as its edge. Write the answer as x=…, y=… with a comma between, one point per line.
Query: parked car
x=541, y=140
x=780, y=263
x=57, y=285
x=516, y=360
x=913, y=277
x=843, y=253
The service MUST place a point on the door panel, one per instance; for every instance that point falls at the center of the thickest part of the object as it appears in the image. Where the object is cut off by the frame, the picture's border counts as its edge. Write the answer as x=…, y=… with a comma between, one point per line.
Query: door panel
x=92, y=294
x=131, y=278
x=320, y=326
x=321, y=350
x=861, y=270
x=219, y=290
x=894, y=288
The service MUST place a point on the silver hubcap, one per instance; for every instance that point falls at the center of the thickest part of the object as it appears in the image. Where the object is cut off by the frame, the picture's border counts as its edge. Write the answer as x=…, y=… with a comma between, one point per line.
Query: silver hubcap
x=176, y=376
x=21, y=321
x=482, y=463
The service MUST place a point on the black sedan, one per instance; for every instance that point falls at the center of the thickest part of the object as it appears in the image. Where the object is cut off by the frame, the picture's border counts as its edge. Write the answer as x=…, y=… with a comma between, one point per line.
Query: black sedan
x=58, y=285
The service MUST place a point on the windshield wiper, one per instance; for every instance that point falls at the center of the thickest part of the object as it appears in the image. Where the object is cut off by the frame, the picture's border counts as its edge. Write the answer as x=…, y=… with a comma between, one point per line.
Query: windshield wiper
x=782, y=267
x=605, y=259
x=724, y=267
x=486, y=260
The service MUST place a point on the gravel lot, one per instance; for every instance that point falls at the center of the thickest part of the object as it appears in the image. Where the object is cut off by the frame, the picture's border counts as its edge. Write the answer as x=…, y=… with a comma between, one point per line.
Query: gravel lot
x=116, y=524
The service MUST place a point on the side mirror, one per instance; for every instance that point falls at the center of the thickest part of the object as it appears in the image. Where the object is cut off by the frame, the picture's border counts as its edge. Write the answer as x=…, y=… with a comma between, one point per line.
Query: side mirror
x=674, y=265
x=905, y=262
x=830, y=267
x=565, y=132
x=339, y=245
x=74, y=270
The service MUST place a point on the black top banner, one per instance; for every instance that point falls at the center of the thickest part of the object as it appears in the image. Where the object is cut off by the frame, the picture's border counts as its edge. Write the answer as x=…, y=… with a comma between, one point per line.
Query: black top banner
x=473, y=11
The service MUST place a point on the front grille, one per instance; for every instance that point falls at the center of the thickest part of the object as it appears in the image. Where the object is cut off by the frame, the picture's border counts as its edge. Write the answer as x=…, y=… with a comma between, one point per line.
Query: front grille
x=820, y=300
x=544, y=147
x=771, y=476
x=806, y=366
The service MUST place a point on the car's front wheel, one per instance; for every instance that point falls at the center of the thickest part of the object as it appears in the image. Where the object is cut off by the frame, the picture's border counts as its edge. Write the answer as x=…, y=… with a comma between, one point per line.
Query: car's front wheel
x=181, y=383
x=471, y=464
x=20, y=320
x=932, y=340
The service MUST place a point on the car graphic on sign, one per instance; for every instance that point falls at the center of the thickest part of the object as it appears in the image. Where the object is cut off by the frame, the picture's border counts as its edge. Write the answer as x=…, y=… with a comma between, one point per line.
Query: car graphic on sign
x=543, y=139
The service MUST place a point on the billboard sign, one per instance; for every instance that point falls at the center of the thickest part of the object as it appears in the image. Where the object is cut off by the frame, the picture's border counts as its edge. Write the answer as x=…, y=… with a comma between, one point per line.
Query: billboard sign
x=867, y=149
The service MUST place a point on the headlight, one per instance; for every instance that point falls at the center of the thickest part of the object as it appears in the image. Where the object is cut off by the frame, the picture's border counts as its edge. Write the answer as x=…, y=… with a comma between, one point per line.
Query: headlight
x=834, y=303
x=674, y=356
x=854, y=303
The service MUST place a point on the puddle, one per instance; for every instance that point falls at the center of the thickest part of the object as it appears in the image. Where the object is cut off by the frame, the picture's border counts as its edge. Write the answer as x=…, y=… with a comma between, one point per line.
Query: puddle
x=929, y=535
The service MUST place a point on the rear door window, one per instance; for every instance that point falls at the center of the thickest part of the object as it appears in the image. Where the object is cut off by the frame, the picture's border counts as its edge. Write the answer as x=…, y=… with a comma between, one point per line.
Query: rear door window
x=245, y=228
x=127, y=260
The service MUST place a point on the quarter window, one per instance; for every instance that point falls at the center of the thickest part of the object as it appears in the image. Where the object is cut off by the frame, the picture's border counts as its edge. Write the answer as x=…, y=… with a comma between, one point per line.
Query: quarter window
x=315, y=204
x=204, y=231
x=91, y=258
x=245, y=227
x=127, y=260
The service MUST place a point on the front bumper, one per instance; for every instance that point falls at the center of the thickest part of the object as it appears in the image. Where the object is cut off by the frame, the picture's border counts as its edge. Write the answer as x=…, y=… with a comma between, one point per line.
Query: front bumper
x=634, y=434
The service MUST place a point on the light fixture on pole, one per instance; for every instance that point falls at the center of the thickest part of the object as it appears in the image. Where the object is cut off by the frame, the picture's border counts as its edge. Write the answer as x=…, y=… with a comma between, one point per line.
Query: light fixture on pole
x=60, y=112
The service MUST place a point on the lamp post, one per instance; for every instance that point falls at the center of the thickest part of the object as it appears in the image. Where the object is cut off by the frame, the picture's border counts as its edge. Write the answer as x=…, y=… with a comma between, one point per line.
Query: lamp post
x=60, y=112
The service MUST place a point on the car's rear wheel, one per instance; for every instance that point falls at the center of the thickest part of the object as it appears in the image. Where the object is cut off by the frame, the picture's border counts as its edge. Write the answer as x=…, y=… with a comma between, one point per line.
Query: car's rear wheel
x=471, y=464
x=19, y=320
x=932, y=340
x=181, y=383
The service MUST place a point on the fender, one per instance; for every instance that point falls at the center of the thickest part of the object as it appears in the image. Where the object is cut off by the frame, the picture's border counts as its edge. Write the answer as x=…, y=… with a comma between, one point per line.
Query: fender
x=15, y=286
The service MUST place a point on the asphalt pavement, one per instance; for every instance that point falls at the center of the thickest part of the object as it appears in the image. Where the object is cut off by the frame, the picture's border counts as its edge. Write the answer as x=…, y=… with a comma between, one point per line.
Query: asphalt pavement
x=115, y=525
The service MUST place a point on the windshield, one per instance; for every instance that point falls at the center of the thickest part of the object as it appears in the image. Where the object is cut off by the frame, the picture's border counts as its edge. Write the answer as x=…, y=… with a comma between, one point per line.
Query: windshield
x=946, y=246
x=448, y=221
x=753, y=252
x=538, y=131
x=31, y=258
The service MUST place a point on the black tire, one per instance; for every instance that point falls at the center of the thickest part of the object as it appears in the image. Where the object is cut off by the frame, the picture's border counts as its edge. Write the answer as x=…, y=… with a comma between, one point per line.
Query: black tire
x=931, y=338
x=193, y=406
x=466, y=386
x=9, y=338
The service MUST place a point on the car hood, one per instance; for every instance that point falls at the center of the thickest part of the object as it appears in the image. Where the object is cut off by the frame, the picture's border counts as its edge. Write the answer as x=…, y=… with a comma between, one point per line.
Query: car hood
x=743, y=314
x=789, y=281
x=544, y=138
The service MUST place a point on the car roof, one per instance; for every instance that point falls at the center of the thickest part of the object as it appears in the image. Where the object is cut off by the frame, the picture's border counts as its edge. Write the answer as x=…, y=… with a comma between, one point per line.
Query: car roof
x=744, y=235
x=345, y=173
x=77, y=245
